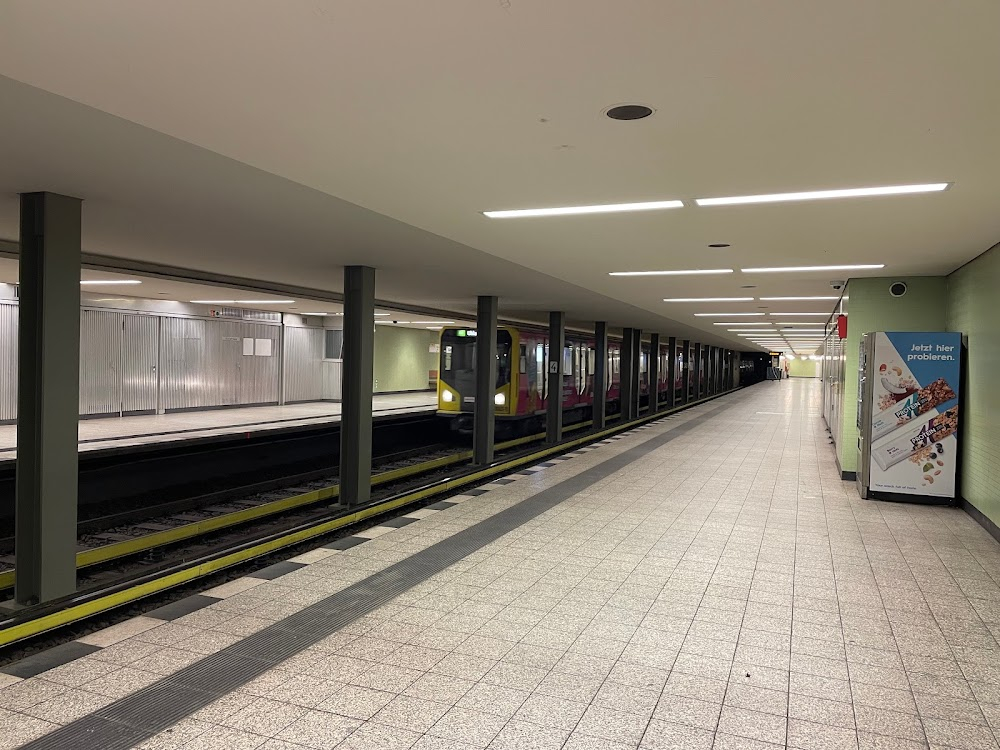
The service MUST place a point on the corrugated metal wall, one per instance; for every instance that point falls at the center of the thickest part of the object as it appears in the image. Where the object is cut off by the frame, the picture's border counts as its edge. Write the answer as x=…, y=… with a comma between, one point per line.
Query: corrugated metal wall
x=203, y=364
x=117, y=362
x=304, y=349
x=100, y=362
x=132, y=363
x=8, y=362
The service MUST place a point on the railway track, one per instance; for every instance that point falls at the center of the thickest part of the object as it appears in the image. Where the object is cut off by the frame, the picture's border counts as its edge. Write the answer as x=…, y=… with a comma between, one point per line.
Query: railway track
x=141, y=557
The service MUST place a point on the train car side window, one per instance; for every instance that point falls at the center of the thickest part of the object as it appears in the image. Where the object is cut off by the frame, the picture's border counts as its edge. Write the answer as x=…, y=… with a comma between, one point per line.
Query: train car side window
x=523, y=366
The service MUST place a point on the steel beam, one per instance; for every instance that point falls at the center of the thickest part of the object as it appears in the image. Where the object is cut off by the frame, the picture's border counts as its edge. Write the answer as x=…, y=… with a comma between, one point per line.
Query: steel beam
x=486, y=379
x=600, y=375
x=553, y=408
x=358, y=371
x=48, y=398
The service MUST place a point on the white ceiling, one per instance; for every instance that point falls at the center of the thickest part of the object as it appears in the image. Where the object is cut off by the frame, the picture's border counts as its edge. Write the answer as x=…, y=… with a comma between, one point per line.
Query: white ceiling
x=248, y=130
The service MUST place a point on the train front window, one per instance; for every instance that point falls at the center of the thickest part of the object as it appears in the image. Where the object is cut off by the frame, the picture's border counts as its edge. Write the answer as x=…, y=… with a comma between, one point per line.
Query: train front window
x=458, y=355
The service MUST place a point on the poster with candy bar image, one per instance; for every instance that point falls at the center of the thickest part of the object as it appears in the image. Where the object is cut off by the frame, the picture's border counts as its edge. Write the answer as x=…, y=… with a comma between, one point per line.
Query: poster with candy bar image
x=915, y=417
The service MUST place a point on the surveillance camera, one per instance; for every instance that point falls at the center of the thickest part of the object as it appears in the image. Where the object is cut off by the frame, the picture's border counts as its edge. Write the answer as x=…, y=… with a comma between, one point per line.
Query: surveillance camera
x=838, y=284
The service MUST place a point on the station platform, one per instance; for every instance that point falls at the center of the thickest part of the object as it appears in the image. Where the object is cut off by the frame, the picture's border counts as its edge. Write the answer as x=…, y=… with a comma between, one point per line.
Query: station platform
x=124, y=432
x=705, y=581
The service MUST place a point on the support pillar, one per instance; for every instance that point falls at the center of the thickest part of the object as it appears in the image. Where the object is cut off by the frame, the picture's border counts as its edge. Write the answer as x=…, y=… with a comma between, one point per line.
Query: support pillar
x=637, y=374
x=48, y=397
x=486, y=378
x=625, y=390
x=699, y=371
x=654, y=373
x=710, y=387
x=557, y=342
x=356, y=411
x=686, y=371
x=671, y=372
x=600, y=375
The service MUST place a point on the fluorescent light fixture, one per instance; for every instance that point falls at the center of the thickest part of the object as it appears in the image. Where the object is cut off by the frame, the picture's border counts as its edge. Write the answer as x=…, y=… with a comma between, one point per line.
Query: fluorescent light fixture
x=710, y=299
x=793, y=269
x=432, y=322
x=606, y=208
x=804, y=330
x=243, y=302
x=746, y=323
x=794, y=299
x=803, y=323
x=815, y=195
x=799, y=314
x=692, y=272
x=103, y=282
x=727, y=315
x=751, y=330
x=433, y=328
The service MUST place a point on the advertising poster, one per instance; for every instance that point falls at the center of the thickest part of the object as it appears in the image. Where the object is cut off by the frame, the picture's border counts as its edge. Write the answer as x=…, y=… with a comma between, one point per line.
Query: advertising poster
x=914, y=431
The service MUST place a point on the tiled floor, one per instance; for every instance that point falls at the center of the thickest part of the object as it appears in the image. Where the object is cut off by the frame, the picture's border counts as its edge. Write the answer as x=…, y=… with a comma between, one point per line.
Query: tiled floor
x=117, y=432
x=724, y=590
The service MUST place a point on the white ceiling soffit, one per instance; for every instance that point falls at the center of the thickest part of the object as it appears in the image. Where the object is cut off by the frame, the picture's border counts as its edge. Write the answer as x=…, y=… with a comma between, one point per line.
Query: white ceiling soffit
x=431, y=113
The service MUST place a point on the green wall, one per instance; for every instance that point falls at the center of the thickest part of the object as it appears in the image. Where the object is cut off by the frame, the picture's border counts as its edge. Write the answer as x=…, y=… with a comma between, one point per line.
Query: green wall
x=403, y=358
x=972, y=305
x=870, y=307
x=803, y=368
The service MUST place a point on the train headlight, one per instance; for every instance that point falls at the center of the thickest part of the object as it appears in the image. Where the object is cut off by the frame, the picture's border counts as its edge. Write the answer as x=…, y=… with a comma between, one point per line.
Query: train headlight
x=447, y=396
x=499, y=399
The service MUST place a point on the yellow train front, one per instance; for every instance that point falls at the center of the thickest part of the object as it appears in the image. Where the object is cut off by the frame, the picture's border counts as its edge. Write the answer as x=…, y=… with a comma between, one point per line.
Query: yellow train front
x=520, y=394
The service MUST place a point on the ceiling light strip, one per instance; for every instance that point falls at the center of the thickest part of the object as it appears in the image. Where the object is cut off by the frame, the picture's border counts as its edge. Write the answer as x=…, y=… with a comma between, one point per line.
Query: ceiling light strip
x=691, y=272
x=709, y=299
x=576, y=210
x=796, y=269
x=814, y=195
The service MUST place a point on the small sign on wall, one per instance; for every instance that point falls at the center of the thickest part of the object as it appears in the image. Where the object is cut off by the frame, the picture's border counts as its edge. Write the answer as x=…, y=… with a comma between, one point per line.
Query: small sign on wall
x=262, y=347
x=247, y=347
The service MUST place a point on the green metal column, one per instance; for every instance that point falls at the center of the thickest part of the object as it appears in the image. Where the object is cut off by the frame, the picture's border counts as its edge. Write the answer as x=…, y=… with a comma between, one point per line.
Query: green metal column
x=626, y=389
x=671, y=372
x=557, y=342
x=600, y=375
x=699, y=370
x=686, y=371
x=48, y=398
x=710, y=366
x=654, y=373
x=356, y=412
x=486, y=379
x=637, y=374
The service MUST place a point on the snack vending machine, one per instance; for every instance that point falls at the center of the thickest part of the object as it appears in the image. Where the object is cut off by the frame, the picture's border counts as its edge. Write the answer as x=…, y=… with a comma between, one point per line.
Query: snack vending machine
x=908, y=394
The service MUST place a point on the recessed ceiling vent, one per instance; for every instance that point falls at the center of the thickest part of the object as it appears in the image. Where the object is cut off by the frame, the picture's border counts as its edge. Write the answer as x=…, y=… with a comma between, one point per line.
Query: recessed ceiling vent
x=629, y=112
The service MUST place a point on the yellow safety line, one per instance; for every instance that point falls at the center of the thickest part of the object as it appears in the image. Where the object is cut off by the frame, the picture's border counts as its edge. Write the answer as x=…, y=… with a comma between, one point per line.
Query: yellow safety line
x=124, y=548
x=77, y=612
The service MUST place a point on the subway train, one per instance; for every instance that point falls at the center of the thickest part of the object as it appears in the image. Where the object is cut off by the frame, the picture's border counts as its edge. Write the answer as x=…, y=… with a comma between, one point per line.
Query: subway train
x=520, y=396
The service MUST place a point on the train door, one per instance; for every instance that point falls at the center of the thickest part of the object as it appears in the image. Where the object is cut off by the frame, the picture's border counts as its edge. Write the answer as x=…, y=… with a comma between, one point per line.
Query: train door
x=140, y=379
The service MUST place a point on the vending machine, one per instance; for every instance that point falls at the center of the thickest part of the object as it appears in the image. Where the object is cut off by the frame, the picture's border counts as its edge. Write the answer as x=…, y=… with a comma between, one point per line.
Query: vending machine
x=908, y=396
